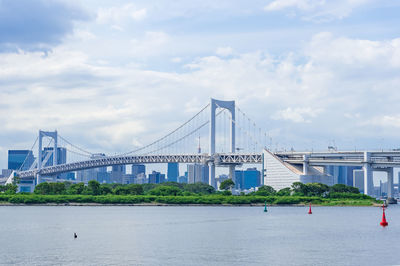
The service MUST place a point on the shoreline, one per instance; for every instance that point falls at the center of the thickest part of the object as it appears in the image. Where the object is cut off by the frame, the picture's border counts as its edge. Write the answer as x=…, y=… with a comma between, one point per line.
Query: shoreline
x=155, y=204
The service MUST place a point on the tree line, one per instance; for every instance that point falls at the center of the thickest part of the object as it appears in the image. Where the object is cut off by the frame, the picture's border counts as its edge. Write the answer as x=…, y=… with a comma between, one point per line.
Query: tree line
x=179, y=189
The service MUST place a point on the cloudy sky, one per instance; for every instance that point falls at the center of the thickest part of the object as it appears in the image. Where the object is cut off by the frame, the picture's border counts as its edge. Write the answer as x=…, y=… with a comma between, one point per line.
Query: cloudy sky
x=109, y=75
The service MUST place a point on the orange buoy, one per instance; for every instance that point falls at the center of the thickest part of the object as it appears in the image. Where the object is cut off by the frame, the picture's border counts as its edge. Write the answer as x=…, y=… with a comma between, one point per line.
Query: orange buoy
x=309, y=211
x=383, y=222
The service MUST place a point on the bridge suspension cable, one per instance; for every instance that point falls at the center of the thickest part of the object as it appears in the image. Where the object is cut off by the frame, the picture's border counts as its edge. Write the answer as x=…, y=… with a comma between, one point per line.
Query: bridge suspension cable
x=76, y=147
x=168, y=135
x=26, y=157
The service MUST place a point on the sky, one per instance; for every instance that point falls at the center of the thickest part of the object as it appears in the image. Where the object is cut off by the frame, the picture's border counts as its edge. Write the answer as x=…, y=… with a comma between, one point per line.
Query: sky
x=114, y=75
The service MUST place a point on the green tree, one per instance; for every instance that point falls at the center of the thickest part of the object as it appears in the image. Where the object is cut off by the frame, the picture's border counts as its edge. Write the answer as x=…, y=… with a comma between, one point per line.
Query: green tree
x=265, y=191
x=43, y=189
x=76, y=189
x=57, y=188
x=341, y=188
x=284, y=192
x=105, y=189
x=227, y=184
x=199, y=188
x=9, y=189
x=147, y=187
x=299, y=189
x=135, y=189
x=94, y=187
x=317, y=189
x=165, y=191
x=50, y=188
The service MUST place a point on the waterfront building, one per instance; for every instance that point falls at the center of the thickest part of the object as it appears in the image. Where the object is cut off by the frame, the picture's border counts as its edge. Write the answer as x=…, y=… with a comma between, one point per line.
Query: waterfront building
x=173, y=172
x=251, y=178
x=141, y=179
x=138, y=169
x=279, y=174
x=182, y=179
x=246, y=179
x=98, y=174
x=47, y=155
x=358, y=180
x=341, y=174
x=117, y=173
x=20, y=158
x=197, y=173
x=156, y=178
x=6, y=172
x=128, y=179
x=238, y=179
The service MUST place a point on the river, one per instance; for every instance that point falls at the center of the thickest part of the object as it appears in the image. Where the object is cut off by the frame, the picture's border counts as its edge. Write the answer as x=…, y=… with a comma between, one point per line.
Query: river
x=154, y=235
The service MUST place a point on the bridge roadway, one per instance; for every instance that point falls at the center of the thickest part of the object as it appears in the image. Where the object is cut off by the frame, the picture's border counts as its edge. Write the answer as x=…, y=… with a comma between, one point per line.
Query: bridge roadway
x=377, y=159
x=217, y=159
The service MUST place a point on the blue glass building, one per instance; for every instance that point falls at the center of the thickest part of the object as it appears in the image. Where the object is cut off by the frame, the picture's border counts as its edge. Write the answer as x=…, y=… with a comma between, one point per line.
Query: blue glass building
x=342, y=174
x=18, y=158
x=173, y=172
x=156, y=178
x=61, y=155
x=238, y=179
x=138, y=169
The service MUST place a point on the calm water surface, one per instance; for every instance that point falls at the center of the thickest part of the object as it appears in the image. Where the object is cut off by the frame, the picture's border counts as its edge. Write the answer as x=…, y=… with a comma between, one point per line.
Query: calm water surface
x=115, y=235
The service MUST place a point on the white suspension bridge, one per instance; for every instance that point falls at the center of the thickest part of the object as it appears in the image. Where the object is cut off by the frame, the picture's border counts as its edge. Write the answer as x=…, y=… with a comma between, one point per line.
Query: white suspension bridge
x=231, y=137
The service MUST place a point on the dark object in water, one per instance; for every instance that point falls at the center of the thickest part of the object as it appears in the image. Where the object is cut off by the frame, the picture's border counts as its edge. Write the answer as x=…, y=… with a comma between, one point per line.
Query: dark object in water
x=75, y=235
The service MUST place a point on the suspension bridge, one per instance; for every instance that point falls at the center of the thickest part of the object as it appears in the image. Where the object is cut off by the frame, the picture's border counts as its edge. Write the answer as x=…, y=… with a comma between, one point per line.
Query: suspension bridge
x=230, y=139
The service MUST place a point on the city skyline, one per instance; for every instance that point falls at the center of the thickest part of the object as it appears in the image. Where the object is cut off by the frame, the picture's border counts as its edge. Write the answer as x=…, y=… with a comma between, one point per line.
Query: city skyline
x=95, y=73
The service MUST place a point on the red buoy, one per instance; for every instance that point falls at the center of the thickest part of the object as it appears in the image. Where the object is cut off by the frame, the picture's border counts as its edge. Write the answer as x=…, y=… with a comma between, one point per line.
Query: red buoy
x=383, y=222
x=309, y=211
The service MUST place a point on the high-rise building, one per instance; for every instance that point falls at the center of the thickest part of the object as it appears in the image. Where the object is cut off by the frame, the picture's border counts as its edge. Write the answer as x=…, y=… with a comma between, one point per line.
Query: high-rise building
x=156, y=178
x=128, y=179
x=117, y=173
x=48, y=154
x=251, y=178
x=138, y=168
x=98, y=174
x=341, y=174
x=173, y=172
x=182, y=179
x=20, y=159
x=197, y=173
x=141, y=179
x=246, y=179
x=358, y=180
x=238, y=179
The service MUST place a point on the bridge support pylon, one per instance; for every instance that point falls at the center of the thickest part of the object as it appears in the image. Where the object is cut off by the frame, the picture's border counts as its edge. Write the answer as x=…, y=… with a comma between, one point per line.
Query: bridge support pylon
x=390, y=188
x=42, y=134
x=230, y=106
x=368, y=179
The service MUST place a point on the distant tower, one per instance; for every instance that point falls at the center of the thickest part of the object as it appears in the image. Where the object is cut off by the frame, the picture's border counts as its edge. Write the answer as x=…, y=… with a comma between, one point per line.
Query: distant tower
x=199, y=148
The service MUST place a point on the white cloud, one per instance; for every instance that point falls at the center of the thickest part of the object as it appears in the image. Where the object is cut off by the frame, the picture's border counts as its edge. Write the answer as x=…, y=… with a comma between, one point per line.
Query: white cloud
x=384, y=121
x=113, y=107
x=152, y=43
x=176, y=60
x=118, y=15
x=224, y=51
x=300, y=4
x=297, y=115
x=317, y=10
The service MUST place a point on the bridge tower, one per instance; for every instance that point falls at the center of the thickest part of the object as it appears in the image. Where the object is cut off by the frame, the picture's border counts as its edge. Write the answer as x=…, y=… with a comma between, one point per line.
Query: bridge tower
x=230, y=106
x=42, y=134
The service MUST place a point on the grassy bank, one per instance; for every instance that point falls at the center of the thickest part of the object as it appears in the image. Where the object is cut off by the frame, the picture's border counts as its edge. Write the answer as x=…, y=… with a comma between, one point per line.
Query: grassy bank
x=181, y=200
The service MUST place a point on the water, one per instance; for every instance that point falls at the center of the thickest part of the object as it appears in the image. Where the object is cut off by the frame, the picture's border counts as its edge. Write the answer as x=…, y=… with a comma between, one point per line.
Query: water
x=118, y=235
